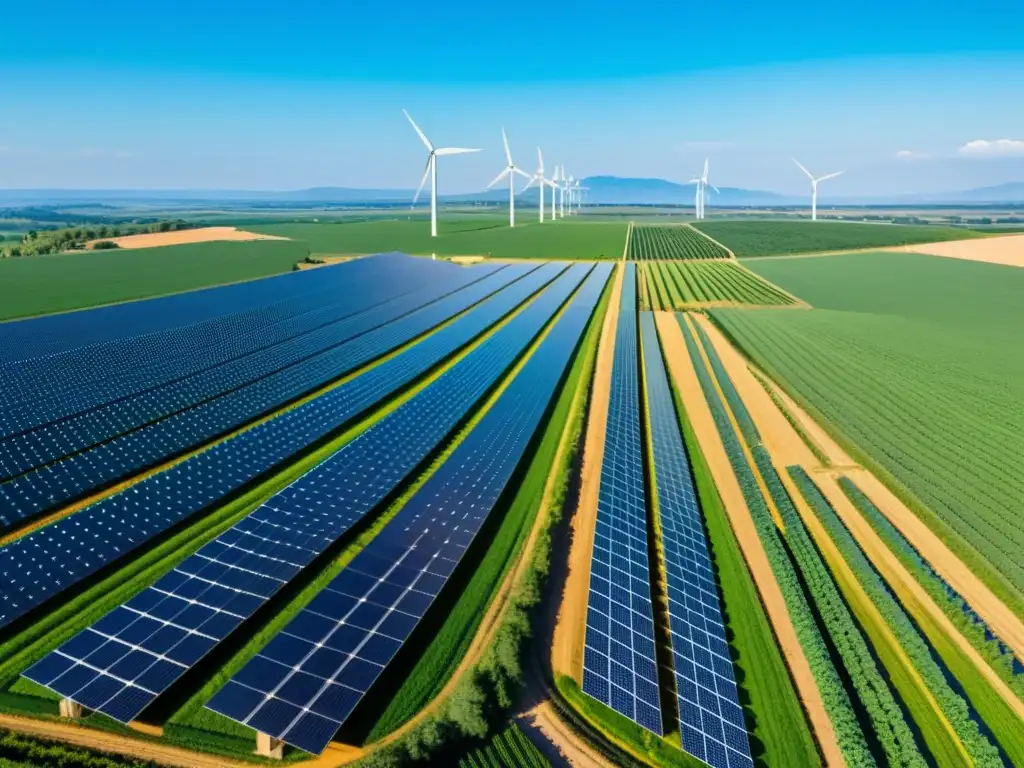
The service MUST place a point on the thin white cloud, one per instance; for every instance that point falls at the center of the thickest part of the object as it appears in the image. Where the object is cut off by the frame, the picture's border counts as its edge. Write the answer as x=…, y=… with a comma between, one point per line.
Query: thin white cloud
x=909, y=154
x=995, y=148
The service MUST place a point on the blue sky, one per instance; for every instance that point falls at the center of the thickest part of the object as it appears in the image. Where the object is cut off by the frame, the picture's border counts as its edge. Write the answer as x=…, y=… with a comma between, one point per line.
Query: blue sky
x=263, y=95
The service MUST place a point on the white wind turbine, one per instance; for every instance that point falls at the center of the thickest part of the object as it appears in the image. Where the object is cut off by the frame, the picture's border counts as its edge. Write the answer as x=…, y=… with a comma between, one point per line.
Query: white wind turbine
x=560, y=179
x=431, y=170
x=553, y=183
x=702, y=191
x=570, y=187
x=510, y=170
x=579, y=195
x=541, y=181
x=814, y=187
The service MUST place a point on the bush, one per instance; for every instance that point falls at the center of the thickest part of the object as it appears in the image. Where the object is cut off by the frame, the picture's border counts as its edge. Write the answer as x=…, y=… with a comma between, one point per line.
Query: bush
x=104, y=245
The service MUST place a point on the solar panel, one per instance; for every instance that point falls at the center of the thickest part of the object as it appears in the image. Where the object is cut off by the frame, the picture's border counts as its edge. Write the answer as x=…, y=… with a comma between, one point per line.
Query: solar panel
x=38, y=391
x=367, y=303
x=172, y=624
x=51, y=486
x=303, y=685
x=620, y=668
x=43, y=563
x=712, y=724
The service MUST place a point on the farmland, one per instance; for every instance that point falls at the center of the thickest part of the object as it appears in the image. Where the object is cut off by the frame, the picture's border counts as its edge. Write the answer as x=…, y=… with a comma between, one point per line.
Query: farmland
x=461, y=236
x=923, y=377
x=753, y=239
x=653, y=243
x=60, y=282
x=683, y=284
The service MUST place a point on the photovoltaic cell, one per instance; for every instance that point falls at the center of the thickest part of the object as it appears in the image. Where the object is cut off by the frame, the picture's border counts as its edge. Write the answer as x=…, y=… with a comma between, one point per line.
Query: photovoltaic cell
x=305, y=683
x=712, y=725
x=171, y=625
x=620, y=668
x=41, y=564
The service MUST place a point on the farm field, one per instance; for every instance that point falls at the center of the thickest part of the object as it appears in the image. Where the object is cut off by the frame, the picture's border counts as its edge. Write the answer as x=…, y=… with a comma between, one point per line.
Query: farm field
x=57, y=283
x=673, y=285
x=654, y=243
x=462, y=236
x=916, y=362
x=753, y=239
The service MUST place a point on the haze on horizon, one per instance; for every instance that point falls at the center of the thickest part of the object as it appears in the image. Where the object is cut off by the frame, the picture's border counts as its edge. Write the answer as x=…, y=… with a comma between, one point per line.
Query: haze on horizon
x=260, y=96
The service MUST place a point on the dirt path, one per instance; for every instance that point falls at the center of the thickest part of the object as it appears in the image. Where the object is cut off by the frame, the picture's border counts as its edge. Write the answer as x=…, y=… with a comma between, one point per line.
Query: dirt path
x=116, y=743
x=697, y=410
x=786, y=448
x=567, y=646
x=182, y=236
x=1007, y=250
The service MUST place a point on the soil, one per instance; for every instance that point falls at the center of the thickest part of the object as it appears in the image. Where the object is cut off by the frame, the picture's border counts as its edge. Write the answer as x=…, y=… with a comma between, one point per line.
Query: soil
x=682, y=372
x=567, y=648
x=1006, y=249
x=201, y=235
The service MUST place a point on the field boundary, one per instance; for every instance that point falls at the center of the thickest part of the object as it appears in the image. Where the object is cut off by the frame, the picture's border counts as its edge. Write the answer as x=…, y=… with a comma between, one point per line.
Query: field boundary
x=629, y=236
x=732, y=256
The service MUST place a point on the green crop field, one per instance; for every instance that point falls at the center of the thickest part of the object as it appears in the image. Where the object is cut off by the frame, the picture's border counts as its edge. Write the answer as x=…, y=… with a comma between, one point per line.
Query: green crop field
x=462, y=236
x=917, y=364
x=651, y=243
x=750, y=239
x=35, y=285
x=679, y=284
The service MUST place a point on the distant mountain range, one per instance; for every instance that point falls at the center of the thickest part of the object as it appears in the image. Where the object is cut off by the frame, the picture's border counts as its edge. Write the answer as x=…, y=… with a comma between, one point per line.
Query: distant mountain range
x=602, y=190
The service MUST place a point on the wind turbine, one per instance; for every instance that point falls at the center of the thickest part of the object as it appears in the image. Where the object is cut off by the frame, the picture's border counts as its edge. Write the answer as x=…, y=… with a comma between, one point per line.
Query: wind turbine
x=560, y=177
x=814, y=187
x=510, y=170
x=579, y=195
x=570, y=188
x=553, y=183
x=431, y=170
x=702, y=191
x=539, y=178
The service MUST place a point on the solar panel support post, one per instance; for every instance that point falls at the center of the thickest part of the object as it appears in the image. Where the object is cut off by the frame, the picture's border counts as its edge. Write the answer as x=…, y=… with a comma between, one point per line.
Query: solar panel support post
x=268, y=746
x=72, y=710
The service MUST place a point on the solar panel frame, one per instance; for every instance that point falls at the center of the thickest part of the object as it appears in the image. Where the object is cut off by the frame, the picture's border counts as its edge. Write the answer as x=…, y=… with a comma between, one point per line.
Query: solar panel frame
x=250, y=562
x=712, y=723
x=402, y=570
x=620, y=666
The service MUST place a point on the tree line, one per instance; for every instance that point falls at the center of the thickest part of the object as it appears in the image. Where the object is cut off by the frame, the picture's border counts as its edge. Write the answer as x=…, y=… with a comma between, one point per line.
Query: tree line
x=41, y=242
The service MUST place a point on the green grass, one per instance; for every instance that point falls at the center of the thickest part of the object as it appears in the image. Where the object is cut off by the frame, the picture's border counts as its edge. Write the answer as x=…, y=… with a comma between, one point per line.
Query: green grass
x=35, y=285
x=450, y=643
x=462, y=236
x=779, y=731
x=693, y=283
x=916, y=365
x=750, y=239
x=654, y=243
x=508, y=749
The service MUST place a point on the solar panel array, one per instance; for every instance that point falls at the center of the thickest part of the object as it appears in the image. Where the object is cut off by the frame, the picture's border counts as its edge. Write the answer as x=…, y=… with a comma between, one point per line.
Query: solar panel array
x=39, y=390
x=57, y=484
x=712, y=724
x=45, y=562
x=296, y=342
x=307, y=680
x=134, y=653
x=620, y=667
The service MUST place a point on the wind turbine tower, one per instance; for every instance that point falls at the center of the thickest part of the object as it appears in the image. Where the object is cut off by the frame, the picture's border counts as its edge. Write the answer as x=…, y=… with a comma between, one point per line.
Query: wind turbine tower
x=510, y=170
x=814, y=186
x=541, y=181
x=431, y=170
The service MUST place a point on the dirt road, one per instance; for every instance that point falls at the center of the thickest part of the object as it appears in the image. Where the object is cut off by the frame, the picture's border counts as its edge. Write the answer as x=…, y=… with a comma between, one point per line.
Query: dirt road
x=1007, y=250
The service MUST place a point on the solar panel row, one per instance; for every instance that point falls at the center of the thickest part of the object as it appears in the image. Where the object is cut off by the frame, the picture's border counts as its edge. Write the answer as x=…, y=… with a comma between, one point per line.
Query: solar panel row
x=138, y=650
x=712, y=724
x=308, y=346
x=45, y=562
x=56, y=484
x=620, y=667
x=305, y=683
x=63, y=385
x=37, y=337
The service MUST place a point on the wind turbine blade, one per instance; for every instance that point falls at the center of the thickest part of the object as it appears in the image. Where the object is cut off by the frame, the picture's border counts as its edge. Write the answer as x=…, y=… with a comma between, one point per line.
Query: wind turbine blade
x=508, y=152
x=540, y=162
x=831, y=175
x=714, y=188
x=422, y=135
x=704, y=176
x=529, y=183
x=498, y=178
x=454, y=151
x=521, y=172
x=426, y=172
x=809, y=175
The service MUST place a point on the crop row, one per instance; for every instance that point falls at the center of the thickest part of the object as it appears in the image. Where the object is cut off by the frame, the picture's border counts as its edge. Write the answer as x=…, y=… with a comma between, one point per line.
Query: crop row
x=849, y=734
x=946, y=438
x=654, y=243
x=954, y=707
x=967, y=621
x=508, y=749
x=676, y=284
